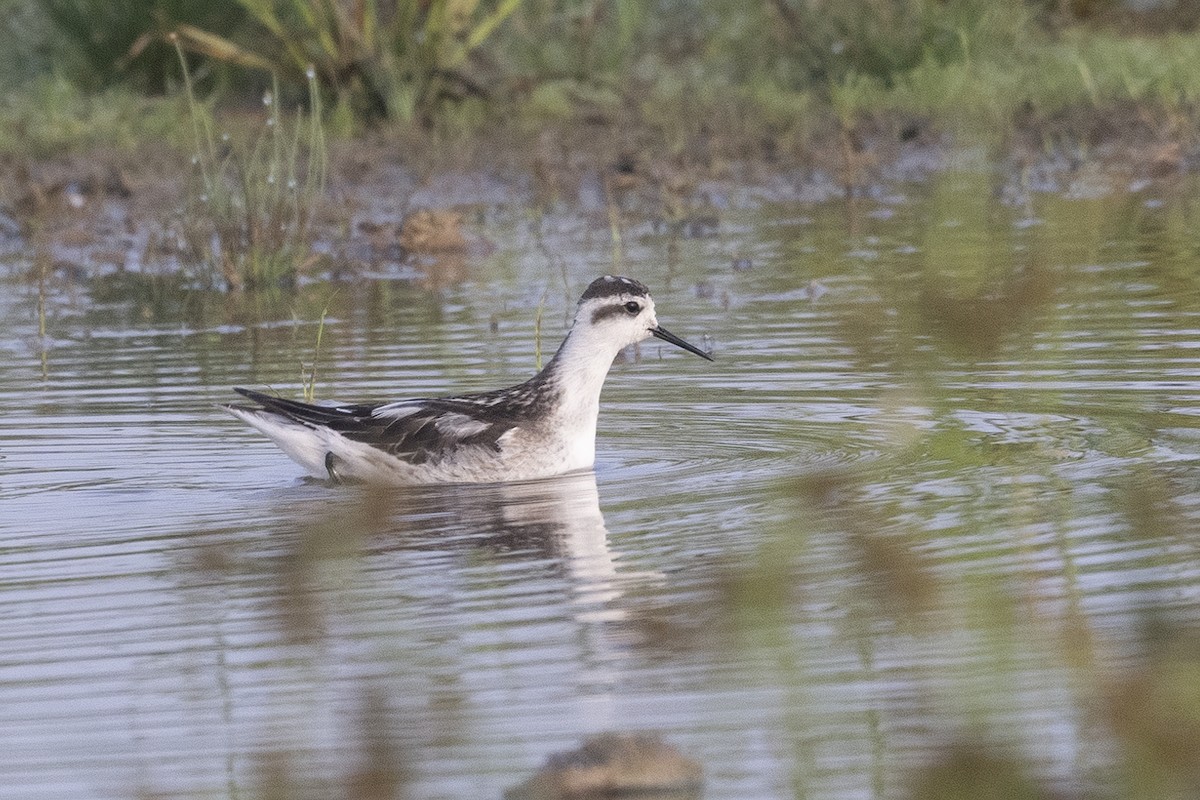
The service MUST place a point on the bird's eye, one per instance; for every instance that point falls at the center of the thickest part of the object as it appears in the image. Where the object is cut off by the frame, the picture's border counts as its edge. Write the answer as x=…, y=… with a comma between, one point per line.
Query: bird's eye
x=632, y=307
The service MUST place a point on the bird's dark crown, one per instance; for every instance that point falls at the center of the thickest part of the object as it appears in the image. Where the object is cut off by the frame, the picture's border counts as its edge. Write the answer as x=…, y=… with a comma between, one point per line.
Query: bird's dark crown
x=612, y=286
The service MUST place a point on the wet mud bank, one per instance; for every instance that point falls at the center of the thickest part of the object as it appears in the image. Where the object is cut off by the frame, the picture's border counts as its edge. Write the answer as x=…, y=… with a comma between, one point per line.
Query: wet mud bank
x=391, y=204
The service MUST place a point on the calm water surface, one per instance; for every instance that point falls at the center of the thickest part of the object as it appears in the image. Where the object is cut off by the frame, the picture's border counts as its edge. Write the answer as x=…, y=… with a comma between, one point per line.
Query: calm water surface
x=940, y=481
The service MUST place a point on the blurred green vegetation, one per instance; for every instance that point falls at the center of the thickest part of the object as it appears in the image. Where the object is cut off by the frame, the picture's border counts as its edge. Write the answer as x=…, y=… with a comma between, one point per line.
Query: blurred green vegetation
x=125, y=41
x=774, y=68
x=51, y=115
x=382, y=59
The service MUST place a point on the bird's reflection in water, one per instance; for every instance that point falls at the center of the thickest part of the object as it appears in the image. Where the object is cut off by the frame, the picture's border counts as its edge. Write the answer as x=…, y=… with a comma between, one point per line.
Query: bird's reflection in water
x=550, y=525
x=556, y=520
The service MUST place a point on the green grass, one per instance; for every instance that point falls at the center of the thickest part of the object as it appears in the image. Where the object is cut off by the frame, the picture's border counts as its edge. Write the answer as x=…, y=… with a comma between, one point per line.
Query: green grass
x=308, y=372
x=995, y=77
x=382, y=59
x=51, y=116
x=251, y=201
x=780, y=69
x=1079, y=71
x=980, y=94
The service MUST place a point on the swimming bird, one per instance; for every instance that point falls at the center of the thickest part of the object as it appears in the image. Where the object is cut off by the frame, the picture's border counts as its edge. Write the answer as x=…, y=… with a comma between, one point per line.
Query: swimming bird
x=542, y=427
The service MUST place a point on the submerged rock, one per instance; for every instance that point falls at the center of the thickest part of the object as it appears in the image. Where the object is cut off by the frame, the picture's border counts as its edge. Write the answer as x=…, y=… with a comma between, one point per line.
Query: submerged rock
x=611, y=765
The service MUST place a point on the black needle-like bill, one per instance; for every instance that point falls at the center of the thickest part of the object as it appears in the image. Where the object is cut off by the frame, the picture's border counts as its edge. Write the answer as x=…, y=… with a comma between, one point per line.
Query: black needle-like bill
x=667, y=336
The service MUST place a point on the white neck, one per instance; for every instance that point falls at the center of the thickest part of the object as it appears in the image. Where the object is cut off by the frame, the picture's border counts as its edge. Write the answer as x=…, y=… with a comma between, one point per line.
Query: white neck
x=576, y=374
x=578, y=371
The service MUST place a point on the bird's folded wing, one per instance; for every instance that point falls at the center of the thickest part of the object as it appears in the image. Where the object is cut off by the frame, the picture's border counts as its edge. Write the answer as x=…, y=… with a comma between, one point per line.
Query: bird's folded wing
x=416, y=431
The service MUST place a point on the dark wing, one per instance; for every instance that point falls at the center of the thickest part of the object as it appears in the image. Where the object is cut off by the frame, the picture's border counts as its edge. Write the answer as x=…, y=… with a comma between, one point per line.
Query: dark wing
x=415, y=431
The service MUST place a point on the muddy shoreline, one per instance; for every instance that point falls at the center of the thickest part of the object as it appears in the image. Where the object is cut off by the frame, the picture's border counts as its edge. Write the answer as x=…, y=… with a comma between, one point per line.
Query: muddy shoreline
x=392, y=199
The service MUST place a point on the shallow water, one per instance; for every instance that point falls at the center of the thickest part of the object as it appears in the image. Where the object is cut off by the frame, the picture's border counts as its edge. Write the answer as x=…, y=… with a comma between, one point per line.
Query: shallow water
x=939, y=486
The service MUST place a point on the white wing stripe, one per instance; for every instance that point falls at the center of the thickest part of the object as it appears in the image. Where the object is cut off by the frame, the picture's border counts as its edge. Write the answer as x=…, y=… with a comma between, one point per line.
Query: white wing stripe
x=405, y=408
x=459, y=426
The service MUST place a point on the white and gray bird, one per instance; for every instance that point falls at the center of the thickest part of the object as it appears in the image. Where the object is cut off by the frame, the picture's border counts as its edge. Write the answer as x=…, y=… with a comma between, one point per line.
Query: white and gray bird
x=542, y=427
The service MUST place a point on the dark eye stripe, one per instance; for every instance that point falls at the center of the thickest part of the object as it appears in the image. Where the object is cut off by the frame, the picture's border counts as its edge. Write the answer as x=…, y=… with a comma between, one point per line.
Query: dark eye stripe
x=604, y=312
